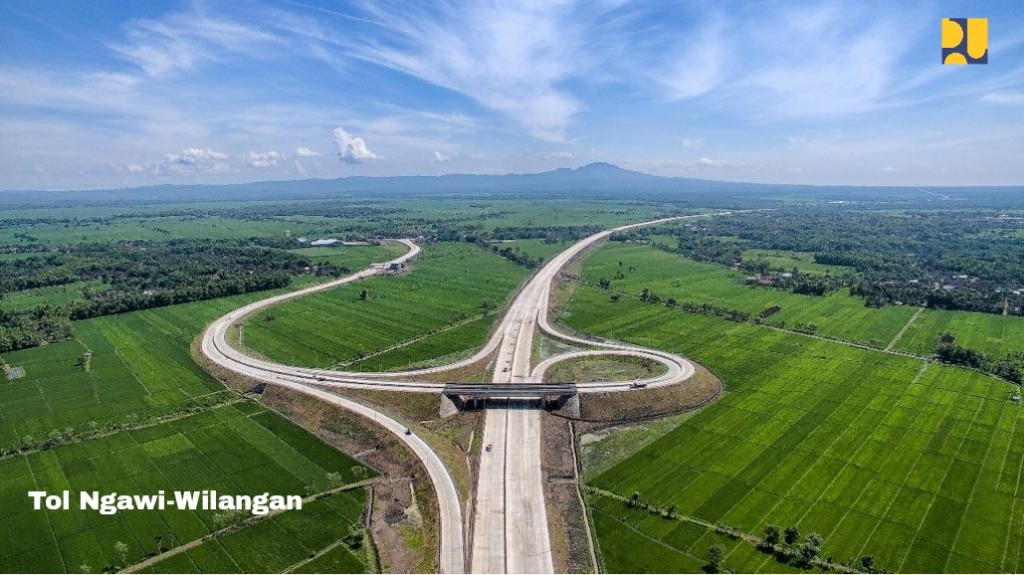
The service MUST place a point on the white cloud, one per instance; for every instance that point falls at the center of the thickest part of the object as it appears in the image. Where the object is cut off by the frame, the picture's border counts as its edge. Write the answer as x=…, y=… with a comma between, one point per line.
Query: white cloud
x=1007, y=98
x=692, y=143
x=304, y=152
x=183, y=41
x=513, y=58
x=836, y=60
x=555, y=155
x=439, y=158
x=189, y=161
x=706, y=162
x=698, y=65
x=264, y=159
x=351, y=149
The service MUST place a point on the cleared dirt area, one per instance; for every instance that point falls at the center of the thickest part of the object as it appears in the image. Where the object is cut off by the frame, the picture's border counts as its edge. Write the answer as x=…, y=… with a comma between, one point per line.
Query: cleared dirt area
x=567, y=524
x=404, y=529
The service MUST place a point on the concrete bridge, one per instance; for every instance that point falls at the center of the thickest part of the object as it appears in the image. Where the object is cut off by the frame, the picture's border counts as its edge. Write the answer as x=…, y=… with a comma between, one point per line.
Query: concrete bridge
x=462, y=396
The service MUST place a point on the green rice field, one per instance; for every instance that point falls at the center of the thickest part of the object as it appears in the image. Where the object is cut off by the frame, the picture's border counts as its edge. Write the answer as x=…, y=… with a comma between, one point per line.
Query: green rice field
x=990, y=333
x=448, y=284
x=140, y=368
x=918, y=466
x=672, y=276
x=235, y=449
x=787, y=260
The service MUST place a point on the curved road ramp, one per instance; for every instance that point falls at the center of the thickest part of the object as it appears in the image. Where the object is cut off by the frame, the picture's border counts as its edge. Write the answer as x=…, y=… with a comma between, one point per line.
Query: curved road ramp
x=510, y=529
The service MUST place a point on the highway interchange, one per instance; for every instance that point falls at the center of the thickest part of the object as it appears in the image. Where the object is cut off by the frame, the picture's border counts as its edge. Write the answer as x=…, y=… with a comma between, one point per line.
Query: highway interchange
x=510, y=530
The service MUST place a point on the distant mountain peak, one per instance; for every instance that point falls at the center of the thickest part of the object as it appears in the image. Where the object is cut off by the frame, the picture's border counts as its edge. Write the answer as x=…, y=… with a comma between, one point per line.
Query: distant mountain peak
x=600, y=166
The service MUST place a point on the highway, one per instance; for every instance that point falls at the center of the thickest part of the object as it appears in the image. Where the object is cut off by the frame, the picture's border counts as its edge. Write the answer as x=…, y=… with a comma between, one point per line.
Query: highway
x=510, y=533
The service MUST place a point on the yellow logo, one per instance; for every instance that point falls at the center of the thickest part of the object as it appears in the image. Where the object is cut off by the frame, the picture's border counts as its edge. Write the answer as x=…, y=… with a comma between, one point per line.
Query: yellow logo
x=965, y=40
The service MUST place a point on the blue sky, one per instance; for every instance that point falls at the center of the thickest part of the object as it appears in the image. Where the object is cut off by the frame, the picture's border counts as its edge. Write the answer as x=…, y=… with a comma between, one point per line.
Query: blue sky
x=120, y=93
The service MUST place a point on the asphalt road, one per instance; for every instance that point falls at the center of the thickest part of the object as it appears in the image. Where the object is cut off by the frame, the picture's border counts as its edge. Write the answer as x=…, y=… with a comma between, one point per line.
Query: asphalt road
x=510, y=529
x=514, y=433
x=451, y=558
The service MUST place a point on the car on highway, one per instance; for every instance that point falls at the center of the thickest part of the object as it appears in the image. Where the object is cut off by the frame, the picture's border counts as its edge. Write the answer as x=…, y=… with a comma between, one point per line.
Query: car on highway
x=408, y=431
x=489, y=447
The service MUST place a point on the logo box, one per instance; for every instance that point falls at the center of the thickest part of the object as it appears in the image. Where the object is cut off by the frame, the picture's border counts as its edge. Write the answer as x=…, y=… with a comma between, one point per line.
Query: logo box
x=965, y=40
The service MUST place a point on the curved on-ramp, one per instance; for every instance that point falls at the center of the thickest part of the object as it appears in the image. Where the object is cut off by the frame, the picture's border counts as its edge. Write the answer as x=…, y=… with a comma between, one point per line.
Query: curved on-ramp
x=512, y=342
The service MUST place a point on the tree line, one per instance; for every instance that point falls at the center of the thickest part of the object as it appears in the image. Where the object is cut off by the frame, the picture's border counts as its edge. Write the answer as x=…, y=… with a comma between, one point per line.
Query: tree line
x=971, y=260
x=134, y=276
x=1009, y=367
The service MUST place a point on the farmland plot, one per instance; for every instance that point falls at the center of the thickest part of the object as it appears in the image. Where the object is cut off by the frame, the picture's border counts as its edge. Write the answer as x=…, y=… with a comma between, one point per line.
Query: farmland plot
x=449, y=283
x=672, y=276
x=140, y=367
x=989, y=333
x=234, y=449
x=917, y=466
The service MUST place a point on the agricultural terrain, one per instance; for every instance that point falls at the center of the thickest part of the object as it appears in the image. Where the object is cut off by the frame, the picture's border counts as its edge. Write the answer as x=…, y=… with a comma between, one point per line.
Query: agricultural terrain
x=234, y=448
x=913, y=463
x=836, y=315
x=452, y=293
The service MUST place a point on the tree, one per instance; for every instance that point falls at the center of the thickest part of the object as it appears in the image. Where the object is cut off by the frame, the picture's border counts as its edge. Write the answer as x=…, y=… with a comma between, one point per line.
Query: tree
x=715, y=555
x=634, y=500
x=792, y=535
x=811, y=548
x=85, y=360
x=772, y=535
x=84, y=568
x=354, y=537
x=121, y=552
x=159, y=540
x=363, y=294
x=605, y=283
x=670, y=512
x=867, y=563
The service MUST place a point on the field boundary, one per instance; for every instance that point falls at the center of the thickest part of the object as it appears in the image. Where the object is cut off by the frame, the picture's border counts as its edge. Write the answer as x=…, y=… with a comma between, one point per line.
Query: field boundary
x=730, y=532
x=904, y=329
x=840, y=341
x=412, y=340
x=240, y=525
x=116, y=428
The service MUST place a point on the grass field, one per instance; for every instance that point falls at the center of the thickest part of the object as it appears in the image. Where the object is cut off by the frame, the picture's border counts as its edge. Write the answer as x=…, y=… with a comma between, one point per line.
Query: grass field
x=52, y=295
x=448, y=284
x=990, y=333
x=607, y=368
x=787, y=260
x=918, y=467
x=669, y=275
x=536, y=248
x=354, y=258
x=238, y=448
